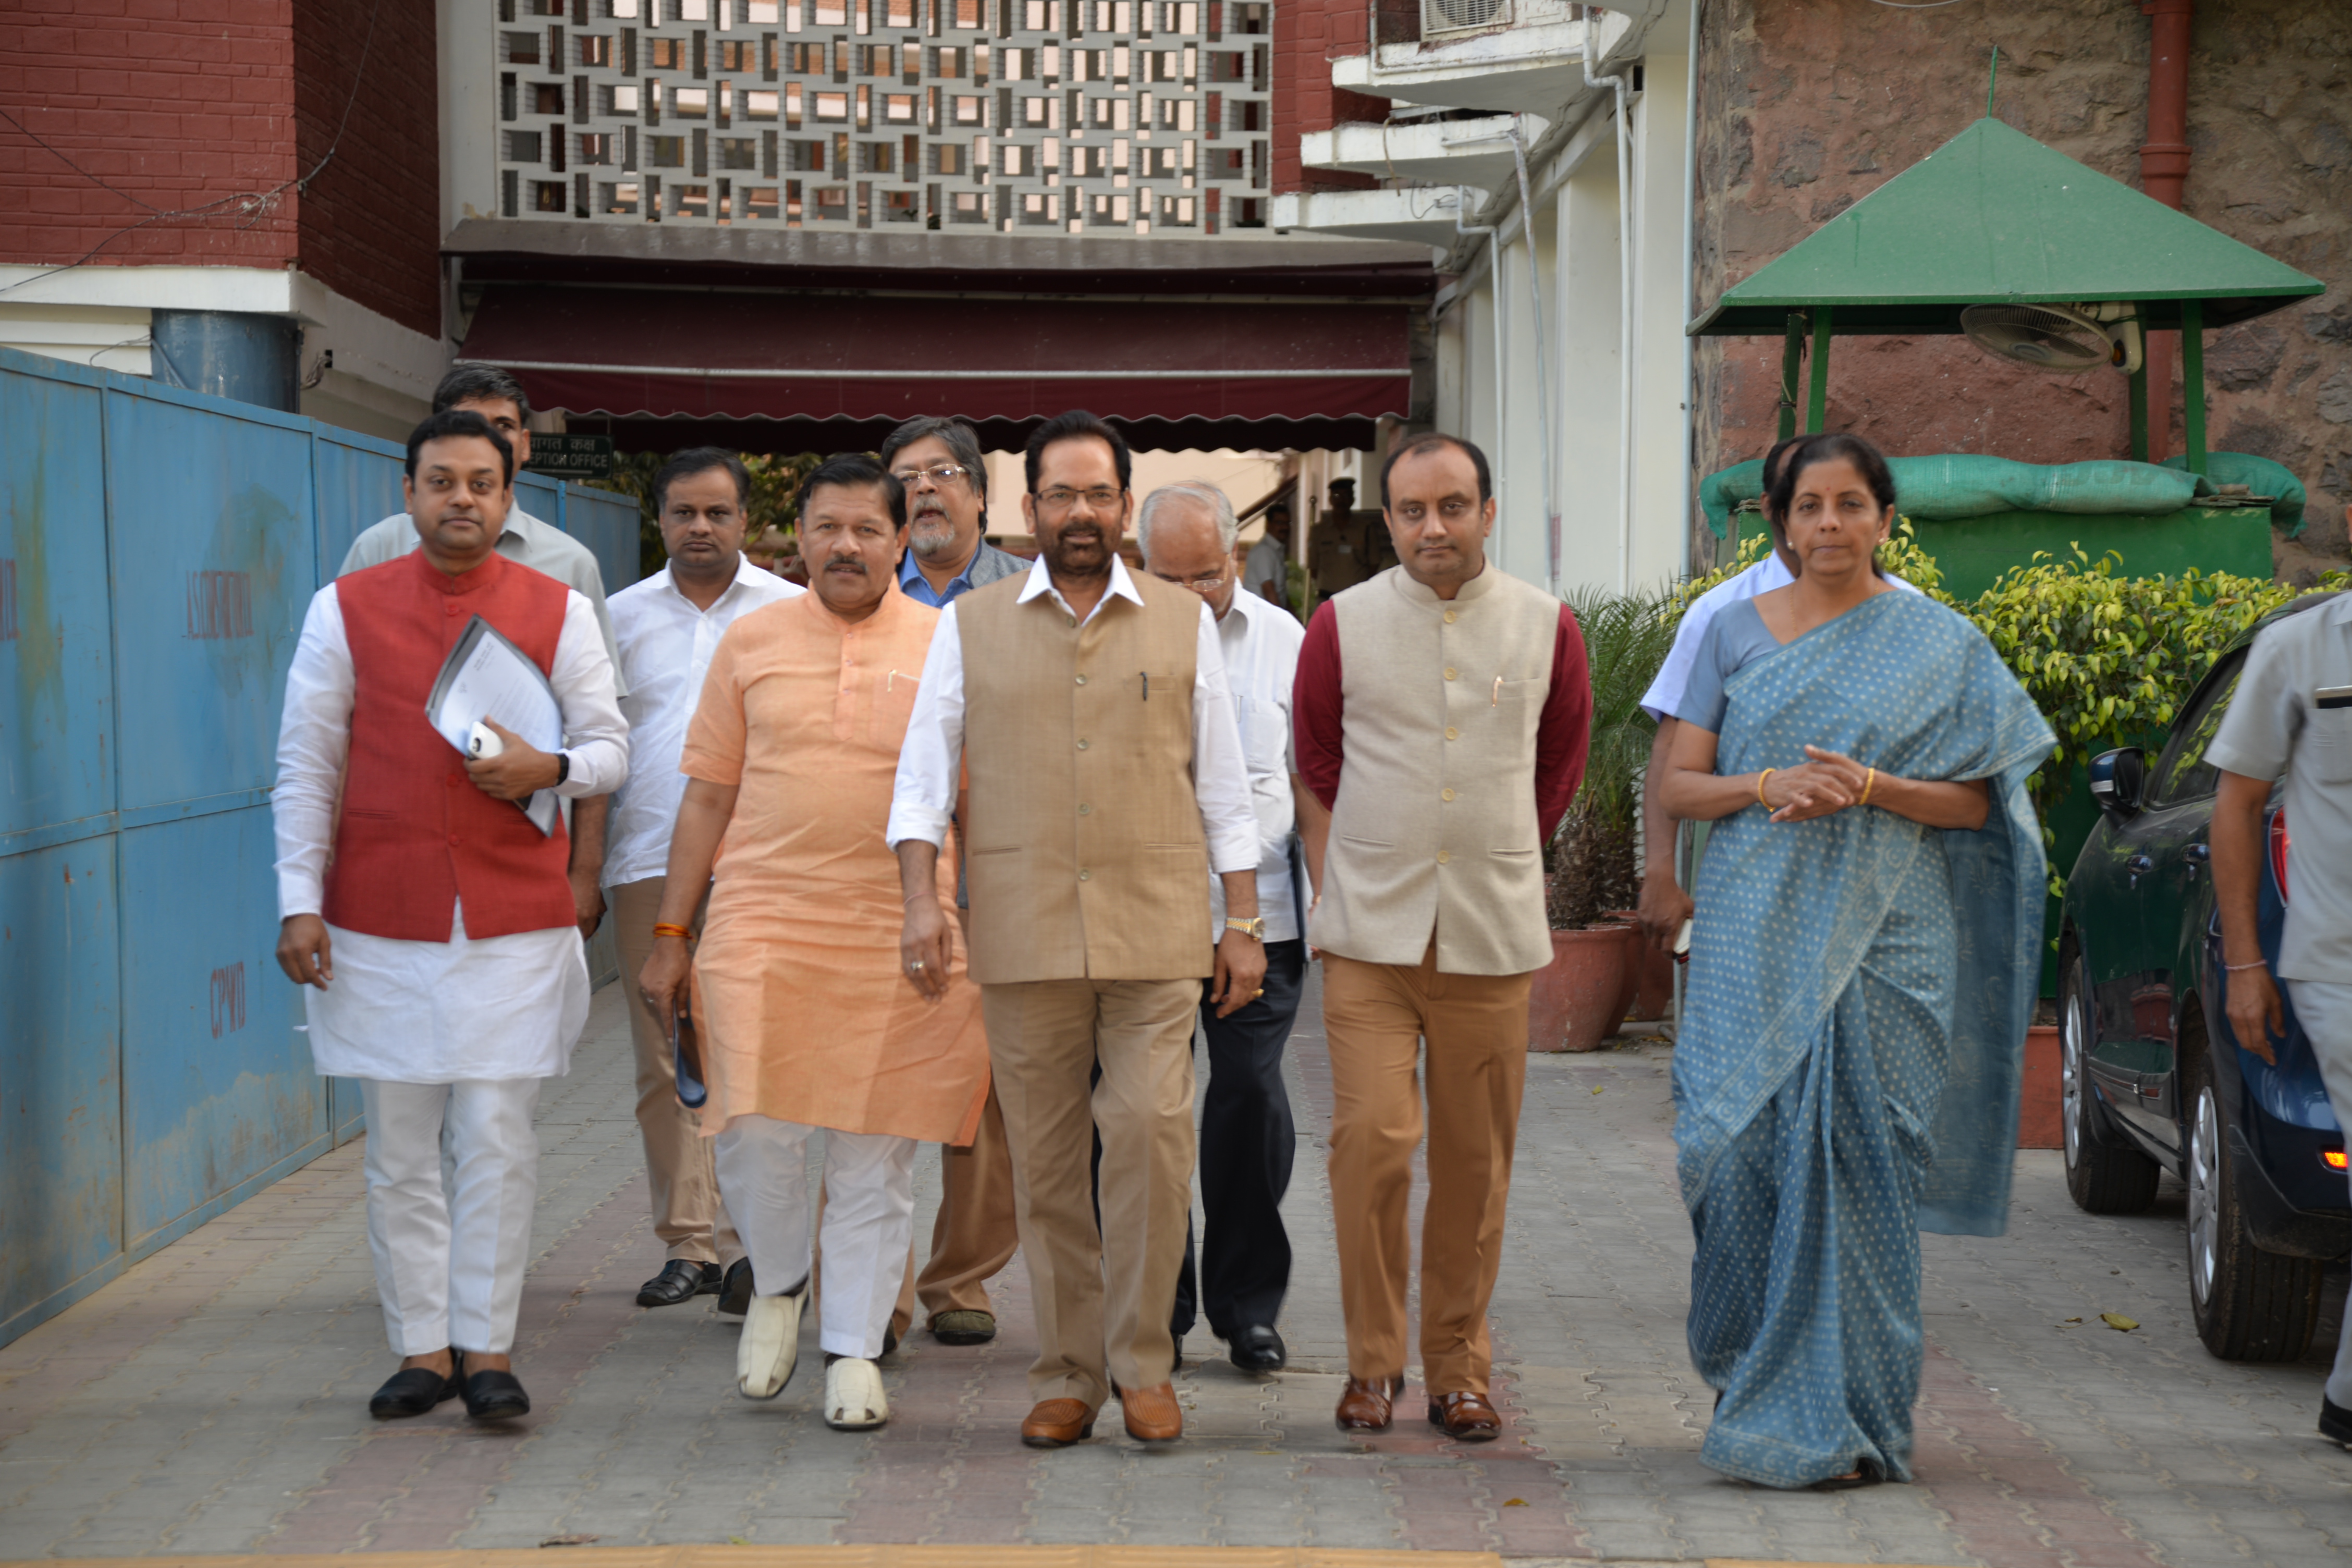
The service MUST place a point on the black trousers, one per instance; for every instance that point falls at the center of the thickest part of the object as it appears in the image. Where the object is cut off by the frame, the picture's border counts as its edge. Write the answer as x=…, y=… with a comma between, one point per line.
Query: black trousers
x=1247, y=1143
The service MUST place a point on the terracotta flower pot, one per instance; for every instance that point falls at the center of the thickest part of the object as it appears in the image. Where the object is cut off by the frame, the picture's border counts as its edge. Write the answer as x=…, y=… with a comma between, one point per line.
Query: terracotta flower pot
x=1578, y=999
x=2040, y=1104
x=1651, y=971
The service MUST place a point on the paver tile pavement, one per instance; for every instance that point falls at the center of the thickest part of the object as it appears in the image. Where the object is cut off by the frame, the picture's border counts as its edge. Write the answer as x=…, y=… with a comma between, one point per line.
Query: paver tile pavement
x=212, y=1400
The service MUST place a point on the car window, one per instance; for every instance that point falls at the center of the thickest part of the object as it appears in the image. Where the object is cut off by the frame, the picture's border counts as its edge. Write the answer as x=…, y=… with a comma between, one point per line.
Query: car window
x=2183, y=773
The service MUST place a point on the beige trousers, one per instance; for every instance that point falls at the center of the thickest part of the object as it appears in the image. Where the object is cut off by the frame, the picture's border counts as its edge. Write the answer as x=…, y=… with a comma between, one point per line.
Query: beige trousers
x=973, y=1237
x=1376, y=1017
x=1102, y=1295
x=688, y=1216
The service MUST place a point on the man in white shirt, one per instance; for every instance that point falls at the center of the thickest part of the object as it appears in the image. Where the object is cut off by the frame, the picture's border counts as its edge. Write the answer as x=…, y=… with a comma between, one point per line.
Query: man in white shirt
x=440, y=936
x=1663, y=906
x=1266, y=571
x=1089, y=909
x=668, y=627
x=1186, y=533
x=500, y=399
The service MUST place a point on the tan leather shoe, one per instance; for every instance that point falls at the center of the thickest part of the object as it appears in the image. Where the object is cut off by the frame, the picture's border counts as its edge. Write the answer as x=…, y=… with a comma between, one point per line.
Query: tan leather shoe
x=1152, y=1414
x=1057, y=1424
x=1365, y=1404
x=1466, y=1418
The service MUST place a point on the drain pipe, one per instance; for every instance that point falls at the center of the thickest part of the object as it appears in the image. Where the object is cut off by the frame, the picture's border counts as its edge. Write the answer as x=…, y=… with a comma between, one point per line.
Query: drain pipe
x=1690, y=282
x=1624, y=316
x=1543, y=352
x=2163, y=173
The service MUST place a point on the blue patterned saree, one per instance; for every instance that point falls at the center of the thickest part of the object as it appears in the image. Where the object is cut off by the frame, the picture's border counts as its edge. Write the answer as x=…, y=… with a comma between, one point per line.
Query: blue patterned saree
x=1853, y=1033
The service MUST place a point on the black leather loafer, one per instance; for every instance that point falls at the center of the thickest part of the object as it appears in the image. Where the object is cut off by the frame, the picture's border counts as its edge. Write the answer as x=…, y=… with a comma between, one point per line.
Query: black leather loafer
x=495, y=1396
x=1257, y=1349
x=2335, y=1421
x=412, y=1391
x=680, y=1280
x=735, y=1293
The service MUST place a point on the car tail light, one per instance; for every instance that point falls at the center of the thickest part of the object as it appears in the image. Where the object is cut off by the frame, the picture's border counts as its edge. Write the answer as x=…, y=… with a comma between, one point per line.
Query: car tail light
x=2278, y=854
x=2332, y=1158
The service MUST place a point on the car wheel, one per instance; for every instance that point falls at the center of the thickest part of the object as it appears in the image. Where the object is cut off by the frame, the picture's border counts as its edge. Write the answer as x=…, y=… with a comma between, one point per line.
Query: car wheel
x=2250, y=1305
x=2104, y=1173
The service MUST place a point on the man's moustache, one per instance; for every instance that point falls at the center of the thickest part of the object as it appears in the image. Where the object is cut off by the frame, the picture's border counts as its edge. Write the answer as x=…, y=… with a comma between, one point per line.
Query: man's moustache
x=845, y=563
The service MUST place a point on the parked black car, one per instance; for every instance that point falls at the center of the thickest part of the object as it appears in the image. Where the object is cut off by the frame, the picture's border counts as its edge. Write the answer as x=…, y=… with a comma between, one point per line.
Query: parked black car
x=2153, y=1078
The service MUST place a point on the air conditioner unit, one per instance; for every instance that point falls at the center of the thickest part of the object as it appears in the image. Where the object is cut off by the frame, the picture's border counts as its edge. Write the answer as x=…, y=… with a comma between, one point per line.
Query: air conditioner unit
x=1439, y=18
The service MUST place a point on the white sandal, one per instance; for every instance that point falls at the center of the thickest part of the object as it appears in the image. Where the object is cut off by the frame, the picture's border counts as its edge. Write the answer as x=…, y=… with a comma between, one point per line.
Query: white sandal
x=853, y=1400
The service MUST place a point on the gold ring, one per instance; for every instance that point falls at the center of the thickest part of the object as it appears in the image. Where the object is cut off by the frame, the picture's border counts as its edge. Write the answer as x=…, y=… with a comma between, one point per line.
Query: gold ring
x=916, y=967
x=1258, y=992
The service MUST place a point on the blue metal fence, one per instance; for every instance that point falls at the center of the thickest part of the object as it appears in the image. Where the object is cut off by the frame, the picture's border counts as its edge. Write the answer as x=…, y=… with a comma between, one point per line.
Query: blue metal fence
x=157, y=550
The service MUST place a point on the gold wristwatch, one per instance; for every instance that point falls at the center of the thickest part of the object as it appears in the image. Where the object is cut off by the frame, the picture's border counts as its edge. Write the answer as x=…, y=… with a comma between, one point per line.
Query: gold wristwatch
x=1255, y=926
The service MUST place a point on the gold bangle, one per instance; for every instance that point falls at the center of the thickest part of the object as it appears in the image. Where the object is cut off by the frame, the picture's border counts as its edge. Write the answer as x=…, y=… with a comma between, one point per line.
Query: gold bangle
x=1868, y=779
x=1766, y=773
x=681, y=933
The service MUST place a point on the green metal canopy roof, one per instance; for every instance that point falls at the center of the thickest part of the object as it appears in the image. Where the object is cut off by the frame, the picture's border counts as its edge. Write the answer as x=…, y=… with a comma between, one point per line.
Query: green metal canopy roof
x=1993, y=216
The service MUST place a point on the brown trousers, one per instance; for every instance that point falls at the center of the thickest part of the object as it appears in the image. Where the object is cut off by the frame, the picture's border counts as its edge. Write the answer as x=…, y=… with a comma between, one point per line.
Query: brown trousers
x=1376, y=1017
x=973, y=1236
x=1103, y=1295
x=688, y=1216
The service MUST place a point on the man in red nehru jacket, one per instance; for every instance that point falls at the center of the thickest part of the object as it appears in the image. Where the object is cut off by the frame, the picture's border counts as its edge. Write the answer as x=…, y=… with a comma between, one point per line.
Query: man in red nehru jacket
x=442, y=935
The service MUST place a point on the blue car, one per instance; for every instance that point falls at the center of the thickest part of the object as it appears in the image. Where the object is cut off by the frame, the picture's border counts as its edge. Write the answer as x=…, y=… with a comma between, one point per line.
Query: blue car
x=2153, y=1079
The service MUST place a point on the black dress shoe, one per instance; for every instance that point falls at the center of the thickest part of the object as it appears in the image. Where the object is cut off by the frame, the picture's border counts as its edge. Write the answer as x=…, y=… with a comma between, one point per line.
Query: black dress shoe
x=2335, y=1421
x=1257, y=1349
x=412, y=1391
x=680, y=1280
x=735, y=1292
x=495, y=1396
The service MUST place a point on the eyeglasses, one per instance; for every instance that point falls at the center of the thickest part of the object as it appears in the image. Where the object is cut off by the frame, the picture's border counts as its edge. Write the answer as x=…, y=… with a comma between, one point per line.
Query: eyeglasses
x=1061, y=499
x=938, y=473
x=1198, y=584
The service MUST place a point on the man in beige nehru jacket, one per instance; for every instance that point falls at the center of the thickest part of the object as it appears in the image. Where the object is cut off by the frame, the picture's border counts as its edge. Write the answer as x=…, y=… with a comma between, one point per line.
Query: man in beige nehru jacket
x=1442, y=711
x=1107, y=782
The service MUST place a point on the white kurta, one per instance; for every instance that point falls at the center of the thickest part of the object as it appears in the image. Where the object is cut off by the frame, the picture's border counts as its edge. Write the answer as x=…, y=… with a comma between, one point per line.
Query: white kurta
x=430, y=1011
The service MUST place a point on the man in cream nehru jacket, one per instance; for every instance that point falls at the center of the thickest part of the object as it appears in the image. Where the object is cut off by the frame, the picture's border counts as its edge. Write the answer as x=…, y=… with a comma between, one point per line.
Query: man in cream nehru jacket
x=1442, y=711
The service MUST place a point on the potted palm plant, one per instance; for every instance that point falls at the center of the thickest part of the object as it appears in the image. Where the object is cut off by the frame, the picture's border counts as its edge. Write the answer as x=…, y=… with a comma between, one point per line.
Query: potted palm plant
x=1592, y=866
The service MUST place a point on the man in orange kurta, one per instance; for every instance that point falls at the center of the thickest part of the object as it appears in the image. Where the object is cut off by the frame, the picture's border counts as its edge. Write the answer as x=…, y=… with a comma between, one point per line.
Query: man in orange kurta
x=806, y=1019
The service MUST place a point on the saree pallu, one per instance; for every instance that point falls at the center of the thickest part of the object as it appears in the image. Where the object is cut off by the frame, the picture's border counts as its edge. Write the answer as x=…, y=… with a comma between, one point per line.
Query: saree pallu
x=1853, y=1027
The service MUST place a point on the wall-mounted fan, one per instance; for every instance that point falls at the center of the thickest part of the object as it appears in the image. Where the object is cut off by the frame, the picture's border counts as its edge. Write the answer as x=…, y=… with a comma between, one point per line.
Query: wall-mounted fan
x=2067, y=339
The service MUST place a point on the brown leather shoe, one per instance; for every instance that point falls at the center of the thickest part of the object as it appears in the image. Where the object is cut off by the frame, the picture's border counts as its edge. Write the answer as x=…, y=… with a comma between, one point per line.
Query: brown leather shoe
x=1152, y=1414
x=1057, y=1424
x=1466, y=1418
x=1365, y=1404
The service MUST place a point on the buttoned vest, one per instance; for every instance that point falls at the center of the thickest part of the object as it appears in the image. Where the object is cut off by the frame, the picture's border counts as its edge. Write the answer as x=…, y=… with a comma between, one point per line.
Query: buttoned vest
x=415, y=834
x=1434, y=833
x=1084, y=850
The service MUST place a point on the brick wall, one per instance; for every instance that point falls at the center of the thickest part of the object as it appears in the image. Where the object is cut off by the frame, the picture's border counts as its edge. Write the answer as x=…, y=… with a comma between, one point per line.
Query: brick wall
x=173, y=102
x=1806, y=107
x=1308, y=35
x=370, y=225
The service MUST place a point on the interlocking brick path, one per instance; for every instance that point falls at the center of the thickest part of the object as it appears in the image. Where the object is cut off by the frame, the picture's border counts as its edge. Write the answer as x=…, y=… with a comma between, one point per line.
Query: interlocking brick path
x=212, y=1399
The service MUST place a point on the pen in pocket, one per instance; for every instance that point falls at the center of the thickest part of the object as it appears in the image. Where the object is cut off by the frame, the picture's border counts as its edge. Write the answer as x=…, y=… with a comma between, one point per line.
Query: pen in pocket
x=1147, y=686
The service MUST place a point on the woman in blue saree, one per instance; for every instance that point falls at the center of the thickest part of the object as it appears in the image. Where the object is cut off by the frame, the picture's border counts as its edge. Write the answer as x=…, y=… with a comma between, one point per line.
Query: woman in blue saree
x=1865, y=959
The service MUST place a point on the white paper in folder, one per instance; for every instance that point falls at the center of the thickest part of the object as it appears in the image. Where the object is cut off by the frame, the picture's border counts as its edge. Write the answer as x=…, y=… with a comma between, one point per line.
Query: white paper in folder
x=487, y=676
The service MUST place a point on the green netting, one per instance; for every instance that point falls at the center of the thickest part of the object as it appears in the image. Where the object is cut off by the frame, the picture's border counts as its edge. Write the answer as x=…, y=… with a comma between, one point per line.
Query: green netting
x=1951, y=486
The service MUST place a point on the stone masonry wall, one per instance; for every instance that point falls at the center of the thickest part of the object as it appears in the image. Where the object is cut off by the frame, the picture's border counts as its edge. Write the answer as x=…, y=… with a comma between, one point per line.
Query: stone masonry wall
x=1808, y=105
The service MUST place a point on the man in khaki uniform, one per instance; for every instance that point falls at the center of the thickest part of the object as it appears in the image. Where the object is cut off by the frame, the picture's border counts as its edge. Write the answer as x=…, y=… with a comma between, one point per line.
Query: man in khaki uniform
x=1441, y=712
x=1107, y=782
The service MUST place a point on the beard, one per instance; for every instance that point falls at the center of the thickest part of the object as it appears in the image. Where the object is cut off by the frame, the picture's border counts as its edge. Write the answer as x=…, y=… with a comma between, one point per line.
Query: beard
x=1081, y=551
x=931, y=534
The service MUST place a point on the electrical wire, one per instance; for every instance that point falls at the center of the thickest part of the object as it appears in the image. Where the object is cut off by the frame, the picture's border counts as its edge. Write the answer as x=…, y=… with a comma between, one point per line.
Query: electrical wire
x=251, y=206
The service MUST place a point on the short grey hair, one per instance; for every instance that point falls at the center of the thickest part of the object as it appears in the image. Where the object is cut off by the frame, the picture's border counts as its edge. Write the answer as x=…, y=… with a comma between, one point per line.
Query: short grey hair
x=962, y=440
x=1229, y=528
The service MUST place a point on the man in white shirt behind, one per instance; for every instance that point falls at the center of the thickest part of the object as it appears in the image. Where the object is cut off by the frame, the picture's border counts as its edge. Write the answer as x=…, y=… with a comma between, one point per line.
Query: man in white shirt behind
x=1248, y=1140
x=433, y=916
x=667, y=627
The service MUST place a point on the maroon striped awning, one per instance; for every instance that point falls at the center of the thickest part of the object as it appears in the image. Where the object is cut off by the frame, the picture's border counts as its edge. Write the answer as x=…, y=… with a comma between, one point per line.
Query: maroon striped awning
x=719, y=353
